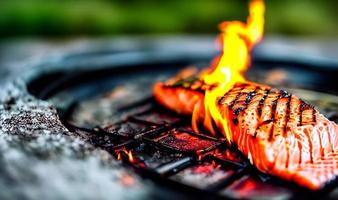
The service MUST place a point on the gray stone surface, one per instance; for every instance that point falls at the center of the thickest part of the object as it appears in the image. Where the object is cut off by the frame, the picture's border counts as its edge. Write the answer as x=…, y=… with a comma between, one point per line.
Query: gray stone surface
x=40, y=160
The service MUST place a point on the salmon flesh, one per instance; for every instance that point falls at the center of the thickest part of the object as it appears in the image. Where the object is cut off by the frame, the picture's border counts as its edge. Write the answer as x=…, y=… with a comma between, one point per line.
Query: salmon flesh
x=279, y=133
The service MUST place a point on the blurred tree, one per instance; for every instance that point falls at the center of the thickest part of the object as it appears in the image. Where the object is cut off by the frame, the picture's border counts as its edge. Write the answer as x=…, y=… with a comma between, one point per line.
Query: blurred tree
x=60, y=18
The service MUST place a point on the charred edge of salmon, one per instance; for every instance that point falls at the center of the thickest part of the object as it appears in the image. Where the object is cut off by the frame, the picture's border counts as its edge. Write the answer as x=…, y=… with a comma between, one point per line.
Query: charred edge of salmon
x=188, y=78
x=179, y=99
x=192, y=83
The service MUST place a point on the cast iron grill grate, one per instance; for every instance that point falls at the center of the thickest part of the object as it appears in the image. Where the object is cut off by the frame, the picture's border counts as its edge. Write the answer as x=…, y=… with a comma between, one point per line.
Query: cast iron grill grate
x=163, y=145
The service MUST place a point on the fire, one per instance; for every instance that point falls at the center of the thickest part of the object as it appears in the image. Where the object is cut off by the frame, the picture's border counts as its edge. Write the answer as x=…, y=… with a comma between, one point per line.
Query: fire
x=119, y=156
x=130, y=157
x=127, y=153
x=237, y=39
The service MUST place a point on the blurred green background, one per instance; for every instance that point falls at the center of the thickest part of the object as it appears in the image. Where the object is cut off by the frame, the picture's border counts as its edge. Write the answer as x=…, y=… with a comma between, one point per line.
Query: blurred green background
x=62, y=18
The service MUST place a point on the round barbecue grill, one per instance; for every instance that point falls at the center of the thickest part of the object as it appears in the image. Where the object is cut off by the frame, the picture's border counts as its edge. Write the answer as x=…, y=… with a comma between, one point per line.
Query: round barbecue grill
x=104, y=97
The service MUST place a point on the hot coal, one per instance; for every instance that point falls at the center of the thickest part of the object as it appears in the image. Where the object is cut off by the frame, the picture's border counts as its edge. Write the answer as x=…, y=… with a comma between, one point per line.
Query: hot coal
x=203, y=175
x=185, y=141
x=251, y=187
x=228, y=155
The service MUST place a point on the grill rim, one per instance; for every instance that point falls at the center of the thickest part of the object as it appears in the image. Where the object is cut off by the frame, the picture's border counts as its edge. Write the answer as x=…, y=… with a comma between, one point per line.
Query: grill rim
x=74, y=67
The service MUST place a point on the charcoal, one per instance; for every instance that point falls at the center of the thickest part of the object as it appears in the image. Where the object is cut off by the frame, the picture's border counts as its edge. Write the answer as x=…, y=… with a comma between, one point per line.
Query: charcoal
x=252, y=187
x=185, y=141
x=203, y=175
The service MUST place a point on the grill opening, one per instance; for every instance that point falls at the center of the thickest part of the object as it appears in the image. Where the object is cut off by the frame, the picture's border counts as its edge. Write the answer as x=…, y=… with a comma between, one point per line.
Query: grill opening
x=113, y=109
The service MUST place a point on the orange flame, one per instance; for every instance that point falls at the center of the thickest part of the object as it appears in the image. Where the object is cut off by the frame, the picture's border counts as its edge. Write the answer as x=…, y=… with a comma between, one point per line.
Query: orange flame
x=237, y=39
x=130, y=156
x=119, y=156
x=126, y=152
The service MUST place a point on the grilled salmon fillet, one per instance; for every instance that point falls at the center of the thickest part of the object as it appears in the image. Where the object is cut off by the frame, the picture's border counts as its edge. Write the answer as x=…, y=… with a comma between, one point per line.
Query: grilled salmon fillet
x=278, y=132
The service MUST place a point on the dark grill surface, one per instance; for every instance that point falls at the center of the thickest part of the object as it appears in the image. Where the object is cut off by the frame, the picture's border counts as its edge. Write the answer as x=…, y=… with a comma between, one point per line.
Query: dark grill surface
x=167, y=148
x=114, y=110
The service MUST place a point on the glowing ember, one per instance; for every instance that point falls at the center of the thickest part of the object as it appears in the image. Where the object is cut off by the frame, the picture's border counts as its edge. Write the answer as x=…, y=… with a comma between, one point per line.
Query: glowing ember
x=199, y=157
x=183, y=141
x=237, y=40
x=203, y=175
x=227, y=155
x=127, y=180
x=124, y=152
x=249, y=187
x=119, y=156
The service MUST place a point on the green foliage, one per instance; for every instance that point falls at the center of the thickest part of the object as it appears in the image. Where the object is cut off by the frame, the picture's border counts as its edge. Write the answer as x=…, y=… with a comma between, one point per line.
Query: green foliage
x=103, y=17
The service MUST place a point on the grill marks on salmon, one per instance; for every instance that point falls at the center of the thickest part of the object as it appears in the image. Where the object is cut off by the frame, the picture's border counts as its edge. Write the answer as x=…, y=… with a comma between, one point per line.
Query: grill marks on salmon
x=277, y=110
x=279, y=133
